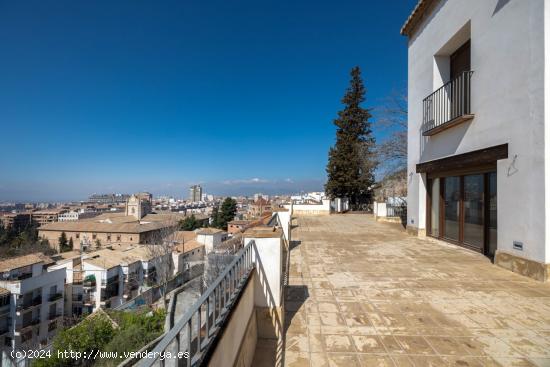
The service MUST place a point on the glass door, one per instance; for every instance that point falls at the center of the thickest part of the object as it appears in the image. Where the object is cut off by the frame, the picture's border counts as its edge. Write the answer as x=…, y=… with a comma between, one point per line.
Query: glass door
x=492, y=214
x=434, y=210
x=451, y=196
x=473, y=210
x=463, y=210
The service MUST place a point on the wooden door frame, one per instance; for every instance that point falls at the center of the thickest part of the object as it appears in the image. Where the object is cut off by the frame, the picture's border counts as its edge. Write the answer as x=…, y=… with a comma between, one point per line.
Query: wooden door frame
x=461, y=216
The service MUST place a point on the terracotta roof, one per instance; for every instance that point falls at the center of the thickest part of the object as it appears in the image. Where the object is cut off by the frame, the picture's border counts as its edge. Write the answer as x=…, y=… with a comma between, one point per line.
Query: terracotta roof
x=261, y=201
x=184, y=236
x=263, y=232
x=118, y=225
x=240, y=222
x=119, y=255
x=279, y=210
x=188, y=246
x=421, y=9
x=20, y=261
x=209, y=231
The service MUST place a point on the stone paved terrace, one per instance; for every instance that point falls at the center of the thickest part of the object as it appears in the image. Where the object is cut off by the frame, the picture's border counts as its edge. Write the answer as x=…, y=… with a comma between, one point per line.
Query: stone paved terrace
x=363, y=293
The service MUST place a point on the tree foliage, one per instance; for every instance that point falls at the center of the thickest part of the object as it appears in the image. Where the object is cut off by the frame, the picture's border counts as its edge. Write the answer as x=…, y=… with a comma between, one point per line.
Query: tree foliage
x=63, y=242
x=215, y=217
x=129, y=332
x=392, y=152
x=22, y=240
x=227, y=212
x=351, y=162
x=189, y=223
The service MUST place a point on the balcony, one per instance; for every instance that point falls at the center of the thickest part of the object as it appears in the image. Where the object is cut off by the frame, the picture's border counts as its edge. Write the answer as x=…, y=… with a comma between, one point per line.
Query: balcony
x=77, y=298
x=226, y=312
x=448, y=106
x=54, y=315
x=27, y=325
x=55, y=297
x=25, y=306
x=105, y=303
x=89, y=282
x=88, y=300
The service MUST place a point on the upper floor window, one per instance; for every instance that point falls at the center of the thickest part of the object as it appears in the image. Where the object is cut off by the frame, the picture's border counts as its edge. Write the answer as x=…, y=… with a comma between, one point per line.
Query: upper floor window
x=460, y=60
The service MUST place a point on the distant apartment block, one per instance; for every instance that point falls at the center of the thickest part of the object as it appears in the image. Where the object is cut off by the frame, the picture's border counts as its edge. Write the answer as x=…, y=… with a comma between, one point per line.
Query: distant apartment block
x=31, y=302
x=259, y=207
x=195, y=193
x=108, y=198
x=16, y=220
x=74, y=215
x=42, y=217
x=479, y=128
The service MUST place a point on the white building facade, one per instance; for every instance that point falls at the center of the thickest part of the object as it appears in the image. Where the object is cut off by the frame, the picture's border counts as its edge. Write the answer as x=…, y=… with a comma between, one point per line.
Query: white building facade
x=33, y=312
x=479, y=128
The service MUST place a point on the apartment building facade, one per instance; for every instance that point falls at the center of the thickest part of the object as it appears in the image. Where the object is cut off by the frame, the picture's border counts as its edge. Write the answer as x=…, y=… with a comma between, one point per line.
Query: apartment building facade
x=479, y=128
x=31, y=302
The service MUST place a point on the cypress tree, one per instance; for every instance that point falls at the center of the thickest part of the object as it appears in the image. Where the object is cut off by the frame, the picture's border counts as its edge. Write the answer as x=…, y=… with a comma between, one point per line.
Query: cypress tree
x=351, y=162
x=63, y=242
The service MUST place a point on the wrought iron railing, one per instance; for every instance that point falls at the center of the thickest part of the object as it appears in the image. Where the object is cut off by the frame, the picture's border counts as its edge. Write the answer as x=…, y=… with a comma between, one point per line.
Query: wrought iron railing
x=194, y=332
x=448, y=103
x=396, y=211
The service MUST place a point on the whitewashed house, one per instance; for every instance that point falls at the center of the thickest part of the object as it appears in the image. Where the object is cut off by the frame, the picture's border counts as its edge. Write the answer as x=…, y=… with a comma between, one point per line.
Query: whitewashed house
x=479, y=128
x=31, y=305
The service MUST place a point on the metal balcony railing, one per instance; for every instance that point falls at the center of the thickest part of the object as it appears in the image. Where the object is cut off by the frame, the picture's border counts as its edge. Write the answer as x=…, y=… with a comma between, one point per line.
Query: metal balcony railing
x=36, y=301
x=449, y=103
x=54, y=297
x=54, y=315
x=202, y=322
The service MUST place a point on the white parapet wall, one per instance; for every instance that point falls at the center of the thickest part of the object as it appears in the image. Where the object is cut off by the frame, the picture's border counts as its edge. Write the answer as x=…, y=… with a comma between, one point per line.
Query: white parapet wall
x=258, y=312
x=310, y=209
x=380, y=210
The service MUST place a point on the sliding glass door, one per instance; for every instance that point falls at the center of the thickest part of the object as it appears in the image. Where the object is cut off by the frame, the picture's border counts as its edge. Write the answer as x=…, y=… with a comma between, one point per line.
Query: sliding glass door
x=452, y=207
x=435, y=204
x=473, y=210
x=462, y=210
x=492, y=213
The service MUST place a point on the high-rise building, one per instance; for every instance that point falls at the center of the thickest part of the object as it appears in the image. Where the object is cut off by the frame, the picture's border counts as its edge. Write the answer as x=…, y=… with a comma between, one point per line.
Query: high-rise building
x=195, y=193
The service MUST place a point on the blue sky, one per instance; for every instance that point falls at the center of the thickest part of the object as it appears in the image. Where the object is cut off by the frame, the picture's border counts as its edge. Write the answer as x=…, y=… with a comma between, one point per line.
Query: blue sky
x=121, y=96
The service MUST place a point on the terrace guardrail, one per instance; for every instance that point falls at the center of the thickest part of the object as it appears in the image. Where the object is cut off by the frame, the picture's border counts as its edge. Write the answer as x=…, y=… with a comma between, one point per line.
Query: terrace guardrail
x=194, y=332
x=449, y=103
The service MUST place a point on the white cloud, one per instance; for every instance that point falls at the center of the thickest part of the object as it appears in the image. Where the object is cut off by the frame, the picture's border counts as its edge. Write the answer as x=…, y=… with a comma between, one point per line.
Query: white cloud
x=254, y=180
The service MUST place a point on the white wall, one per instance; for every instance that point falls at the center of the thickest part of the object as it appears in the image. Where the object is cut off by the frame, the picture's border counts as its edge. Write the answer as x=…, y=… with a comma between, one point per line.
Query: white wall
x=240, y=332
x=508, y=60
x=269, y=270
x=210, y=241
x=310, y=209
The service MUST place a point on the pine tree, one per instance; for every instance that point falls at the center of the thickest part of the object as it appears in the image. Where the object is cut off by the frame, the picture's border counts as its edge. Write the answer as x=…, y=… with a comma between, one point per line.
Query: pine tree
x=215, y=217
x=63, y=242
x=351, y=162
x=189, y=223
x=71, y=244
x=227, y=212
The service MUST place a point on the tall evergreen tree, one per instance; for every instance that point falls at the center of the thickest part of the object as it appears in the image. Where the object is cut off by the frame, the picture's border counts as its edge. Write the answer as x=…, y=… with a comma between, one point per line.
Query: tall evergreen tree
x=63, y=242
x=227, y=212
x=351, y=161
x=215, y=217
